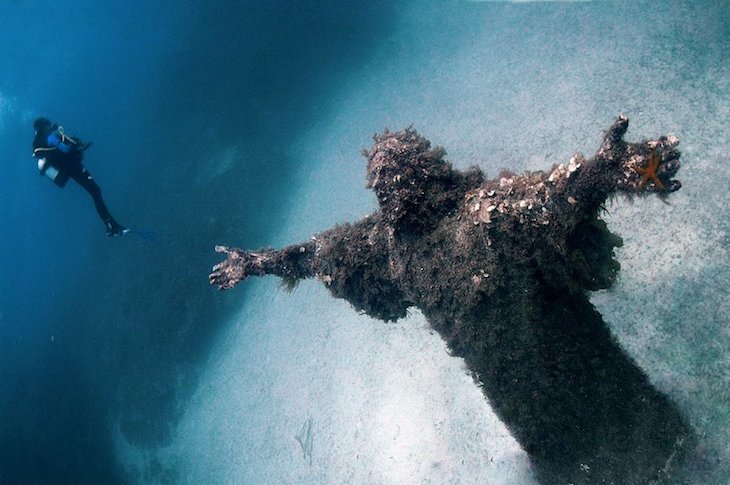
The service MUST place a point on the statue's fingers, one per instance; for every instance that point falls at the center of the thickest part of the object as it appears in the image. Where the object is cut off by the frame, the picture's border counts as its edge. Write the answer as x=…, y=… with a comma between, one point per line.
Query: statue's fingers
x=233, y=254
x=668, y=187
x=214, y=279
x=220, y=280
x=669, y=141
x=665, y=145
x=617, y=129
x=219, y=266
x=670, y=154
x=669, y=167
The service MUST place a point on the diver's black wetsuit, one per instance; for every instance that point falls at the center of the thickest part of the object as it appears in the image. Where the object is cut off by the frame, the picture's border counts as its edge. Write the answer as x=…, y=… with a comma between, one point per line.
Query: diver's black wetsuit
x=65, y=154
x=82, y=176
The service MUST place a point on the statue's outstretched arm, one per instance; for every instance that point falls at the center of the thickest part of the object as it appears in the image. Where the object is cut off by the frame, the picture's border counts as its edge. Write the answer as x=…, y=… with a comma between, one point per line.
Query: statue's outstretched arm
x=352, y=260
x=294, y=262
x=622, y=167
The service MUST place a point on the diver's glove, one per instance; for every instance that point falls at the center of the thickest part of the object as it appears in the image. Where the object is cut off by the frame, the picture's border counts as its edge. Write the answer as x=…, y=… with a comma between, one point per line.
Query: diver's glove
x=76, y=143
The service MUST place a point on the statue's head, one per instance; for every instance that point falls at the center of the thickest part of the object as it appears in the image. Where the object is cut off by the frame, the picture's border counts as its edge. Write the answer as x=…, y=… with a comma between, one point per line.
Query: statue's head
x=409, y=178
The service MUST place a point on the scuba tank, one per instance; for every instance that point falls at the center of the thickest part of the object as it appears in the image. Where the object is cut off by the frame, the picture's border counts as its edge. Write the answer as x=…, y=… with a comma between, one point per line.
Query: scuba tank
x=52, y=172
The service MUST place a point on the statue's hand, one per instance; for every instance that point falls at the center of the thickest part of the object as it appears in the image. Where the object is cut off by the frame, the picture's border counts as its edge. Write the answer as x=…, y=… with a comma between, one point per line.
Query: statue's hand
x=236, y=268
x=650, y=166
x=640, y=167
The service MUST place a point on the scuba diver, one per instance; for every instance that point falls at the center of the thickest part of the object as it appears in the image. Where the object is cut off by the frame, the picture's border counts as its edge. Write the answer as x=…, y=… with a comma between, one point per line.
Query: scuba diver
x=59, y=158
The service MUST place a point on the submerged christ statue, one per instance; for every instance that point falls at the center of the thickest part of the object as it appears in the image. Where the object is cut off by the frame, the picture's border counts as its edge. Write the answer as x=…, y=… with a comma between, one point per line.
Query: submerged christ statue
x=501, y=268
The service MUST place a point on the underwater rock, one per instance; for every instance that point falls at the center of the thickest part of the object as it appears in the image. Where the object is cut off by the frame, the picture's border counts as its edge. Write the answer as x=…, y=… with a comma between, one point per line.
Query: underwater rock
x=501, y=269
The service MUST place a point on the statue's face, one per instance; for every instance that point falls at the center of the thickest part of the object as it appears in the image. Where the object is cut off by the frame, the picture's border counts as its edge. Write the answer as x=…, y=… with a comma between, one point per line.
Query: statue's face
x=382, y=165
x=402, y=169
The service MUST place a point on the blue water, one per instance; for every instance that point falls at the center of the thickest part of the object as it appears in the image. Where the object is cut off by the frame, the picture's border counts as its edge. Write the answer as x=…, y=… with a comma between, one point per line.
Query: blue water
x=241, y=123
